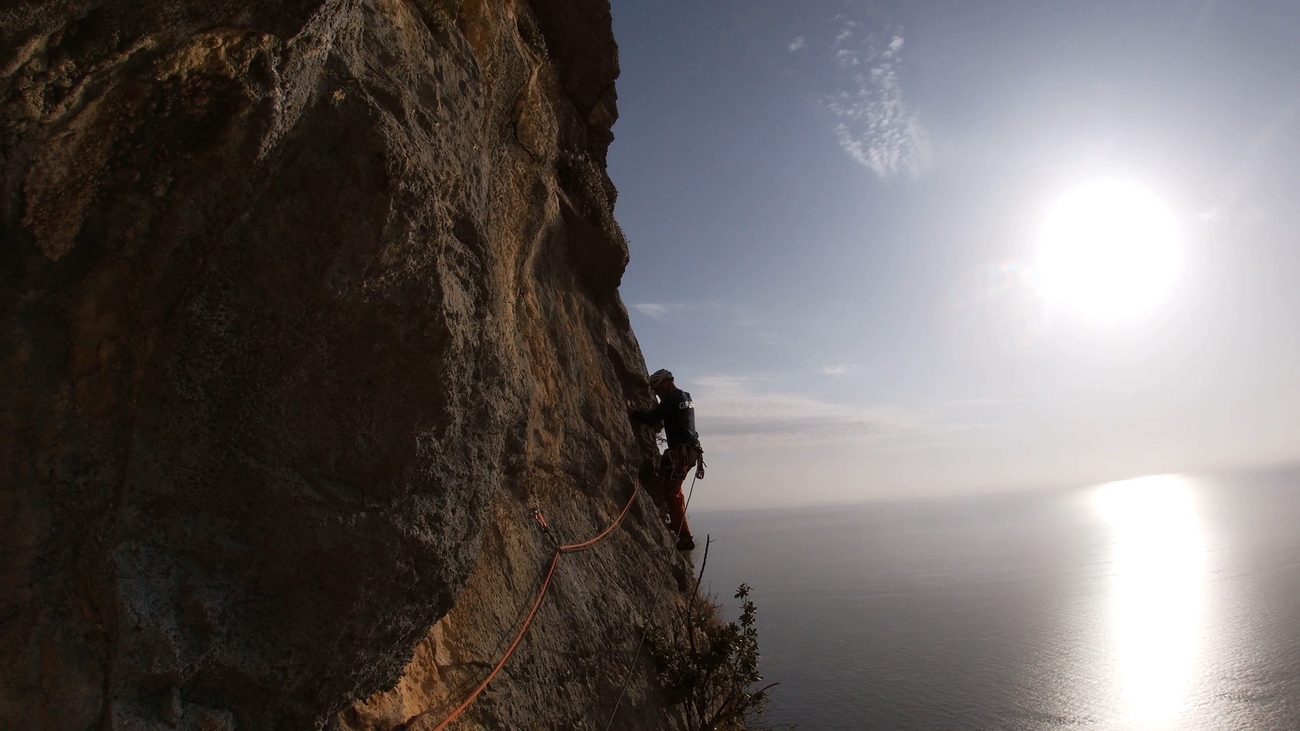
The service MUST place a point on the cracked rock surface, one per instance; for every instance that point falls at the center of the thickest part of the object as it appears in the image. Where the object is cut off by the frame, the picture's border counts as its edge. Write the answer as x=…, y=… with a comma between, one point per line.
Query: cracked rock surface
x=303, y=307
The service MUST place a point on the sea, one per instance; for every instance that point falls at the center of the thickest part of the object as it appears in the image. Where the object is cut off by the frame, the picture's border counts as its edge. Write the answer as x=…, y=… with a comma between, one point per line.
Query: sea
x=1162, y=603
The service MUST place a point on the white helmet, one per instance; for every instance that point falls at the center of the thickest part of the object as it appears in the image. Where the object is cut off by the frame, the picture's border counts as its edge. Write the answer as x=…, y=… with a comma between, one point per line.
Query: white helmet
x=659, y=376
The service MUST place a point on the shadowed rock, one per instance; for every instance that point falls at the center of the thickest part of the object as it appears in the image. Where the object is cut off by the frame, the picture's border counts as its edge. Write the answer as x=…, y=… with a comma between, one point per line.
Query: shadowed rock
x=290, y=293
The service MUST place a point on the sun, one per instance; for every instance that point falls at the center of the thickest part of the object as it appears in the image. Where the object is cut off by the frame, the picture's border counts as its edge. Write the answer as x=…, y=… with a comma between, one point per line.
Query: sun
x=1107, y=250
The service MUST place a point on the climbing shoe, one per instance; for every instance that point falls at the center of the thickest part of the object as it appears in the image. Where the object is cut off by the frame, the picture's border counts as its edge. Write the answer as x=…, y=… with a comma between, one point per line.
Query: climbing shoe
x=686, y=543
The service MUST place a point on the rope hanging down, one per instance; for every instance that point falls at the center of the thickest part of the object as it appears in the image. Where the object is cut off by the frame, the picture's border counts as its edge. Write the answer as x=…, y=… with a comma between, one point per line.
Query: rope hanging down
x=537, y=603
x=654, y=604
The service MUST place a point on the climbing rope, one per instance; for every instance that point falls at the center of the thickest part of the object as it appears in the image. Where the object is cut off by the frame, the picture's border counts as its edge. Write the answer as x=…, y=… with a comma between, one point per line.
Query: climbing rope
x=653, y=605
x=537, y=603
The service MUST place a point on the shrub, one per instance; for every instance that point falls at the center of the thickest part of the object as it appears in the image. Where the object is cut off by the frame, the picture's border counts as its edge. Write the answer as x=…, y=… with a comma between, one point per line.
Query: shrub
x=709, y=668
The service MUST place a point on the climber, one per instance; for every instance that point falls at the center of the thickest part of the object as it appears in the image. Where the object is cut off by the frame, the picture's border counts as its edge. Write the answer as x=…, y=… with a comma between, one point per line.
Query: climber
x=677, y=414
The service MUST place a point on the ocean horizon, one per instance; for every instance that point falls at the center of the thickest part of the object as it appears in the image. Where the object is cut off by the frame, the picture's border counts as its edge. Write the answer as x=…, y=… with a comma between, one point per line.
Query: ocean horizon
x=1163, y=603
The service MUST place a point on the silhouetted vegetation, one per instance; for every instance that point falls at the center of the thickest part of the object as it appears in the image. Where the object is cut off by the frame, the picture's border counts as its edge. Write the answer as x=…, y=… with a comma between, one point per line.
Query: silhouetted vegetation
x=710, y=668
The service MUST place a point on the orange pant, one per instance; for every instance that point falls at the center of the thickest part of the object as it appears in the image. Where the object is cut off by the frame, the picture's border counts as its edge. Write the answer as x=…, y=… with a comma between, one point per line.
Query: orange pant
x=675, y=464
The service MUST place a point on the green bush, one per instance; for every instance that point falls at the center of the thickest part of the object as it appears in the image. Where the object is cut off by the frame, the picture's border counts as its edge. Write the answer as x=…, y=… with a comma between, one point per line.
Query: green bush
x=709, y=668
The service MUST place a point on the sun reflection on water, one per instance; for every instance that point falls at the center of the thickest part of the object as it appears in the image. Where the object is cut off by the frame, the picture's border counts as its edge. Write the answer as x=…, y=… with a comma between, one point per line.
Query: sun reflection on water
x=1157, y=593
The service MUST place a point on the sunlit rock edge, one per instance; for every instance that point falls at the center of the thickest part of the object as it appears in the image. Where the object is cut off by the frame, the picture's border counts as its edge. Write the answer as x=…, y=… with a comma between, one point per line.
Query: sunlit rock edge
x=305, y=306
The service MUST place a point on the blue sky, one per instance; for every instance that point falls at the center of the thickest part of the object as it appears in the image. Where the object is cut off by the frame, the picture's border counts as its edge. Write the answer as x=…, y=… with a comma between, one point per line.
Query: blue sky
x=833, y=206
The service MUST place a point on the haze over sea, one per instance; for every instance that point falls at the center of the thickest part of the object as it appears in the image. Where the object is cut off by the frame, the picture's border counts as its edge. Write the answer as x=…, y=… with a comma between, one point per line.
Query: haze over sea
x=1163, y=603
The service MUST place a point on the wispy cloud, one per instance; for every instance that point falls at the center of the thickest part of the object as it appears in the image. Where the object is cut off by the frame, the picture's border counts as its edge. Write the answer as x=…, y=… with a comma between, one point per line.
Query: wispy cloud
x=874, y=124
x=657, y=311
x=797, y=43
x=838, y=370
x=736, y=413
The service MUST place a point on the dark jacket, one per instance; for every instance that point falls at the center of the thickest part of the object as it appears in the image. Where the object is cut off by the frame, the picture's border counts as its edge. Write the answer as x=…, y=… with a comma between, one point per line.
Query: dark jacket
x=677, y=412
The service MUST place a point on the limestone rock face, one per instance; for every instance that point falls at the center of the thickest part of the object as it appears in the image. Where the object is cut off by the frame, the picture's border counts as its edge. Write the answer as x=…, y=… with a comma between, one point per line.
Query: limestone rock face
x=301, y=304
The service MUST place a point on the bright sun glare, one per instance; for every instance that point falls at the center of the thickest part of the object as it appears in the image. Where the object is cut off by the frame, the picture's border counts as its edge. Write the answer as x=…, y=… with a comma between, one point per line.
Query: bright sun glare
x=1159, y=554
x=1107, y=250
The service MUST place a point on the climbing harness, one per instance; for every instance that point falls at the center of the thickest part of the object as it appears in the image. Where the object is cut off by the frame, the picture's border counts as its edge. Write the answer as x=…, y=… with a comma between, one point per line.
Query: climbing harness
x=677, y=461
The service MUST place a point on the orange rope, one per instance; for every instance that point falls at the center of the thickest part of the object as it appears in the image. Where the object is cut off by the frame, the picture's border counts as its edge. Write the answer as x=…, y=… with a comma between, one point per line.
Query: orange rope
x=575, y=547
x=537, y=603
x=550, y=572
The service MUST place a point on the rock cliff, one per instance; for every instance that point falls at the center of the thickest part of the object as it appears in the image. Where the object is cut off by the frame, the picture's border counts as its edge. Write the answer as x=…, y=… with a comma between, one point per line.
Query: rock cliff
x=303, y=307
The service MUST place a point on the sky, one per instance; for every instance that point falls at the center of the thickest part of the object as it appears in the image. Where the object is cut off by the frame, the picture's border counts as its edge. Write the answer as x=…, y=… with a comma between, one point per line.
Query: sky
x=838, y=212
